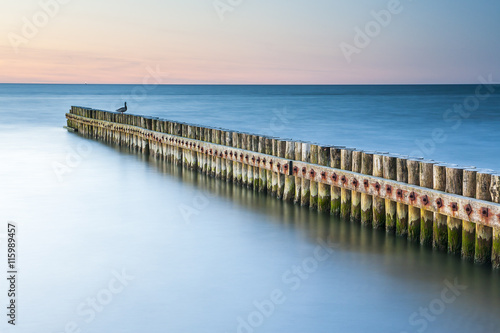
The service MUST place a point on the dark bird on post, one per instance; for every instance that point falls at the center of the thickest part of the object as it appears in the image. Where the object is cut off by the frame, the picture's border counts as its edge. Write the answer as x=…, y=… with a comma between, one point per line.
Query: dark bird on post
x=123, y=108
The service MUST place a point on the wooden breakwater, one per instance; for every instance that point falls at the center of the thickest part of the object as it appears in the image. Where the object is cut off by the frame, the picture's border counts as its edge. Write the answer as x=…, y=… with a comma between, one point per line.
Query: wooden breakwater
x=445, y=206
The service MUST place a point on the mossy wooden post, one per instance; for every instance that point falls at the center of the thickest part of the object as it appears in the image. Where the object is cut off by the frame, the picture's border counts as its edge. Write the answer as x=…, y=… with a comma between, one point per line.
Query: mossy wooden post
x=305, y=187
x=324, y=194
x=194, y=155
x=229, y=162
x=237, y=167
x=402, y=209
x=223, y=163
x=335, y=192
x=454, y=185
x=495, y=197
x=469, y=228
x=185, y=152
x=199, y=157
x=357, y=159
x=208, y=158
x=390, y=172
x=378, y=203
x=426, y=217
x=413, y=212
x=256, y=169
x=484, y=234
x=345, y=194
x=440, y=229
x=262, y=171
x=177, y=150
x=281, y=177
x=298, y=180
x=244, y=167
x=247, y=159
x=269, y=174
x=313, y=186
x=274, y=178
x=217, y=152
x=366, y=199
x=289, y=192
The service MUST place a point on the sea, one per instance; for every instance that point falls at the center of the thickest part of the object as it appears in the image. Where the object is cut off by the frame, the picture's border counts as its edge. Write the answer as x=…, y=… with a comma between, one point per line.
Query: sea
x=110, y=240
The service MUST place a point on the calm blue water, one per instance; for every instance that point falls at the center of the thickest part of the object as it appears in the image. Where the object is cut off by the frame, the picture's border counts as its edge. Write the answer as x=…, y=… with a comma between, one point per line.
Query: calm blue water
x=112, y=241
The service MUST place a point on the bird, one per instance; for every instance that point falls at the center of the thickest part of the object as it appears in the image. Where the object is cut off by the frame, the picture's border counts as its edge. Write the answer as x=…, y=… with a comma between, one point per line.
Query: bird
x=123, y=108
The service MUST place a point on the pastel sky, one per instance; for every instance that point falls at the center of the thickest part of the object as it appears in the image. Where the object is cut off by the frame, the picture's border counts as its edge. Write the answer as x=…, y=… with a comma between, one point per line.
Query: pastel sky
x=248, y=41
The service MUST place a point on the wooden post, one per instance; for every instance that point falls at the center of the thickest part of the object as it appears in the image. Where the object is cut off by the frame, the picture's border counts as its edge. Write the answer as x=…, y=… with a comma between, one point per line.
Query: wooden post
x=390, y=172
x=345, y=195
x=237, y=167
x=413, y=212
x=335, y=192
x=366, y=199
x=244, y=167
x=426, y=217
x=269, y=173
x=274, y=177
x=484, y=234
x=357, y=157
x=305, y=194
x=218, y=160
x=378, y=203
x=262, y=171
x=454, y=185
x=324, y=195
x=313, y=186
x=440, y=229
x=223, y=164
x=289, y=191
x=495, y=196
x=229, y=163
x=402, y=209
x=281, y=177
x=177, y=151
x=256, y=169
x=298, y=180
x=469, y=228
x=250, y=181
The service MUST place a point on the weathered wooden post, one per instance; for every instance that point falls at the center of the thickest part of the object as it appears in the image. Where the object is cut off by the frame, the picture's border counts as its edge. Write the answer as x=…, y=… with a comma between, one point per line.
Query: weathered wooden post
x=244, y=170
x=469, y=228
x=454, y=185
x=357, y=157
x=305, y=187
x=223, y=169
x=250, y=181
x=484, y=234
x=402, y=209
x=390, y=172
x=229, y=162
x=269, y=174
x=335, y=192
x=274, y=178
x=262, y=171
x=413, y=212
x=289, y=191
x=218, y=162
x=495, y=196
x=366, y=199
x=378, y=203
x=440, y=229
x=178, y=151
x=237, y=167
x=324, y=194
x=345, y=194
x=426, y=217
x=256, y=169
x=281, y=176
x=313, y=186
x=298, y=180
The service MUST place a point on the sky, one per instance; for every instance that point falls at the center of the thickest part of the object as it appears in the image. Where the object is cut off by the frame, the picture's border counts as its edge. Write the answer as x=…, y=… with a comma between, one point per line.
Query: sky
x=249, y=41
